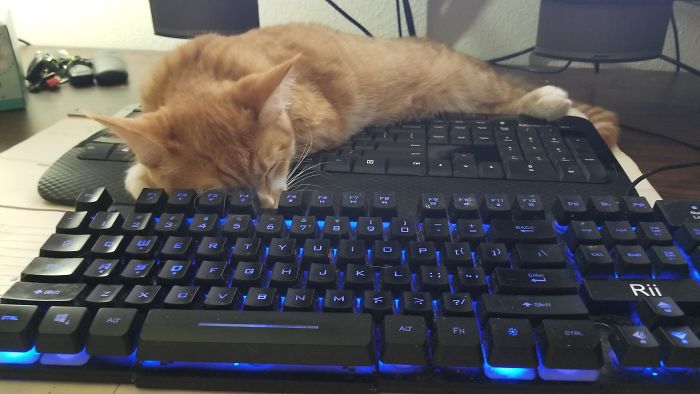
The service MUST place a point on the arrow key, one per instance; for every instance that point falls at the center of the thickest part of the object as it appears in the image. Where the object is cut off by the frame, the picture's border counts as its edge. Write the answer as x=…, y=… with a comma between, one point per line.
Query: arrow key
x=679, y=347
x=634, y=346
x=660, y=311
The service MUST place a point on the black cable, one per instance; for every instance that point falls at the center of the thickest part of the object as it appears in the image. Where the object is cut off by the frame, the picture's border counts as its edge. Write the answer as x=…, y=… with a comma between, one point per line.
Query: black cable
x=535, y=70
x=682, y=65
x=348, y=17
x=398, y=17
x=512, y=55
x=669, y=167
x=676, y=43
x=687, y=144
x=25, y=42
x=409, y=18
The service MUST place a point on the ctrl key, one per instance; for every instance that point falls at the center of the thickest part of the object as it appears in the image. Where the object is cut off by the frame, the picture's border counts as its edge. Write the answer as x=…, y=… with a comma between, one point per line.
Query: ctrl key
x=112, y=332
x=18, y=327
x=404, y=341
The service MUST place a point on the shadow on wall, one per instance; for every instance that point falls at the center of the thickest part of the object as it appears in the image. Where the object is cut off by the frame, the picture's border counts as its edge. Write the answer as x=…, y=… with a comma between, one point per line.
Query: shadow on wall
x=449, y=20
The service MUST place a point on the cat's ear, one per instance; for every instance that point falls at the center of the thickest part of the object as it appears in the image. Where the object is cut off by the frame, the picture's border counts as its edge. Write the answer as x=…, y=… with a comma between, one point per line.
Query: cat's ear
x=269, y=92
x=135, y=132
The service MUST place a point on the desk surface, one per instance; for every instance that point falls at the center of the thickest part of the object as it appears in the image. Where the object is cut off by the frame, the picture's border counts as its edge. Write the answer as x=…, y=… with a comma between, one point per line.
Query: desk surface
x=660, y=102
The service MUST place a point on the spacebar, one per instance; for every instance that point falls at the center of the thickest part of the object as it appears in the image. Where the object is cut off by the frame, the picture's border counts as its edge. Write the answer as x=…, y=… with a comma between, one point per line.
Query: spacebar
x=257, y=337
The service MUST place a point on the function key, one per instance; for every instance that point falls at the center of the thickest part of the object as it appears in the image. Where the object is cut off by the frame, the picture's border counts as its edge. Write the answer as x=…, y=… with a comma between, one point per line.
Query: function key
x=634, y=346
x=384, y=205
x=637, y=209
x=495, y=206
x=528, y=206
x=211, y=201
x=73, y=222
x=569, y=207
x=291, y=203
x=18, y=327
x=151, y=200
x=688, y=236
x=243, y=202
x=321, y=204
x=463, y=206
x=93, y=200
x=353, y=205
x=432, y=206
x=604, y=208
x=181, y=201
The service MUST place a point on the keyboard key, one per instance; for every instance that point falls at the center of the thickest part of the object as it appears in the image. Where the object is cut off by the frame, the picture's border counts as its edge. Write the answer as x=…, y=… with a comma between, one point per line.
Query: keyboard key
x=73, y=223
x=675, y=212
x=321, y=276
x=316, y=251
x=528, y=281
x=211, y=201
x=181, y=201
x=492, y=255
x=433, y=279
x=582, y=232
x=138, y=271
x=151, y=200
x=269, y=226
x=248, y=249
x=359, y=277
x=457, y=254
x=18, y=324
x=404, y=340
x=569, y=207
x=456, y=304
x=350, y=252
x=103, y=296
x=63, y=330
x=402, y=229
x=471, y=280
x=437, y=230
x=528, y=206
x=142, y=247
x=531, y=307
x=384, y=205
x=237, y=226
x=570, y=344
x=243, y=202
x=213, y=272
x=171, y=224
x=204, y=224
x=93, y=200
x=457, y=343
x=45, y=269
x=463, y=206
x=679, y=347
x=303, y=227
x=181, y=297
x=594, y=260
x=65, y=245
x=527, y=231
x=248, y=274
x=291, y=203
x=260, y=299
x=539, y=256
x=338, y=301
x=284, y=275
x=432, y=206
x=420, y=253
x=143, y=297
x=100, y=270
x=470, y=231
x=321, y=204
x=112, y=332
x=353, y=205
x=177, y=248
x=369, y=229
x=281, y=250
x=688, y=236
x=336, y=228
x=668, y=262
x=396, y=279
x=260, y=337
x=653, y=233
x=509, y=343
x=378, y=304
x=631, y=261
x=213, y=248
x=604, y=208
x=533, y=171
x=220, y=297
x=660, y=311
x=299, y=300
x=495, y=206
x=138, y=223
x=43, y=294
x=618, y=232
x=106, y=223
x=637, y=209
x=618, y=294
x=635, y=346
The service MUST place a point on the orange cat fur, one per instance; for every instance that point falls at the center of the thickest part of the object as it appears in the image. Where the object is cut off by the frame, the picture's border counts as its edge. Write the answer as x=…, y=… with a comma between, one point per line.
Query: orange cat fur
x=233, y=112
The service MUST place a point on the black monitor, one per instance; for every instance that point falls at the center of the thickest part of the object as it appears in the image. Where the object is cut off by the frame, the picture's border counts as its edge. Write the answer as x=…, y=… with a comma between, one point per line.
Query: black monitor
x=603, y=30
x=188, y=18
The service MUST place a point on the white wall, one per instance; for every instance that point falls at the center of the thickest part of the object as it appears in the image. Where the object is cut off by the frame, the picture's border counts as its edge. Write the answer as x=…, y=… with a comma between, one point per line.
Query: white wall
x=482, y=28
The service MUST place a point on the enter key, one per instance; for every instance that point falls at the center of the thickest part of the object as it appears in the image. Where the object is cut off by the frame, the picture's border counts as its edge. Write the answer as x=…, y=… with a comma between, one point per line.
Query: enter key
x=528, y=281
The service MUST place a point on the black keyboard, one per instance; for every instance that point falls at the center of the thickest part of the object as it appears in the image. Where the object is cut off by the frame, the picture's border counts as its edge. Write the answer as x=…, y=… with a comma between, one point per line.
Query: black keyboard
x=340, y=291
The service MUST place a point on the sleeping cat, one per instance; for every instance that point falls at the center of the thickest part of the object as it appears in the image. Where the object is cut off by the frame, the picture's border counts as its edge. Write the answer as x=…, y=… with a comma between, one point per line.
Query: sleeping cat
x=235, y=112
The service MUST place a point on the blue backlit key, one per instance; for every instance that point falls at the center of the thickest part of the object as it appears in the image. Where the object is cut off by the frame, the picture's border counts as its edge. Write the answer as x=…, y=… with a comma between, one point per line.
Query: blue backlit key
x=282, y=250
x=220, y=297
x=631, y=261
x=680, y=347
x=142, y=247
x=143, y=297
x=151, y=200
x=259, y=299
x=457, y=343
x=582, y=232
x=570, y=344
x=637, y=209
x=495, y=206
x=63, y=330
x=237, y=226
x=653, y=233
x=492, y=255
x=634, y=346
x=100, y=270
x=378, y=304
x=404, y=340
x=618, y=232
x=181, y=297
x=316, y=251
x=338, y=301
x=284, y=275
x=321, y=276
x=248, y=274
x=43, y=294
x=569, y=207
x=204, y=224
x=528, y=206
x=353, y=205
x=213, y=248
x=321, y=204
x=350, y=252
x=180, y=201
x=211, y=201
x=299, y=300
x=336, y=228
x=291, y=203
x=660, y=311
x=103, y=295
x=420, y=253
x=471, y=280
x=212, y=272
x=463, y=206
x=18, y=327
x=303, y=227
x=112, y=332
x=369, y=229
x=433, y=279
x=509, y=343
x=65, y=245
x=171, y=224
x=358, y=277
x=243, y=202
x=384, y=205
x=402, y=229
x=174, y=272
x=594, y=260
x=108, y=246
x=688, y=236
x=137, y=223
x=604, y=208
x=668, y=262
x=138, y=271
x=246, y=249
x=456, y=304
x=417, y=304
x=270, y=226
x=177, y=248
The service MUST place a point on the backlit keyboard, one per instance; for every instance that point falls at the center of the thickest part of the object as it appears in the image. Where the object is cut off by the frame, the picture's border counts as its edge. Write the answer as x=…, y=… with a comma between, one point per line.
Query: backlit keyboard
x=345, y=291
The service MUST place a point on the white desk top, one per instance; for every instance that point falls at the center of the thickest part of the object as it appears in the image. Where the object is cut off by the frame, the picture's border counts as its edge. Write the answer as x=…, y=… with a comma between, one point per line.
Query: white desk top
x=26, y=220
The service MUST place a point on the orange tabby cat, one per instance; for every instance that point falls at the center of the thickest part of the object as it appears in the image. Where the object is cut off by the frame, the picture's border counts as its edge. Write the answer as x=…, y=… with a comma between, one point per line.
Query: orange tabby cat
x=233, y=112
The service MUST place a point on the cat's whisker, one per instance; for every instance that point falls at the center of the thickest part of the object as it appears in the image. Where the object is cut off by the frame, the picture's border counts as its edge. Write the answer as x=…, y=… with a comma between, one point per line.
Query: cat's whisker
x=304, y=154
x=304, y=171
x=320, y=173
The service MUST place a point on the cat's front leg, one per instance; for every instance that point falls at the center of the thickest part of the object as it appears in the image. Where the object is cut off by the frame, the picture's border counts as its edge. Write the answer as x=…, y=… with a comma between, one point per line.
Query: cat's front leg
x=136, y=179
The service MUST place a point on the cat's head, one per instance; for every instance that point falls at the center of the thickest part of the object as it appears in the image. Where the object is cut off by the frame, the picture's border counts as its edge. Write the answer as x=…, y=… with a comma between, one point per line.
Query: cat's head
x=236, y=135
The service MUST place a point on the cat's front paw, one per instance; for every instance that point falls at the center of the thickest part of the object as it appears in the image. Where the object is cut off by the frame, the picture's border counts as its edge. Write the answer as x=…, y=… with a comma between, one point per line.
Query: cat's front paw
x=136, y=179
x=548, y=102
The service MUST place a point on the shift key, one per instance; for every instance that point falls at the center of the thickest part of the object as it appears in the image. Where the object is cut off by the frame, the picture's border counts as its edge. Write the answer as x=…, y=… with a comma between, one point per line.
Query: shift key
x=534, y=308
x=42, y=294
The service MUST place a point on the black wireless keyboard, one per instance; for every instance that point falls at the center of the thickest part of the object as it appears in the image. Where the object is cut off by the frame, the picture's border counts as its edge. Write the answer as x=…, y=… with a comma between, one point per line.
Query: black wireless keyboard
x=375, y=282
